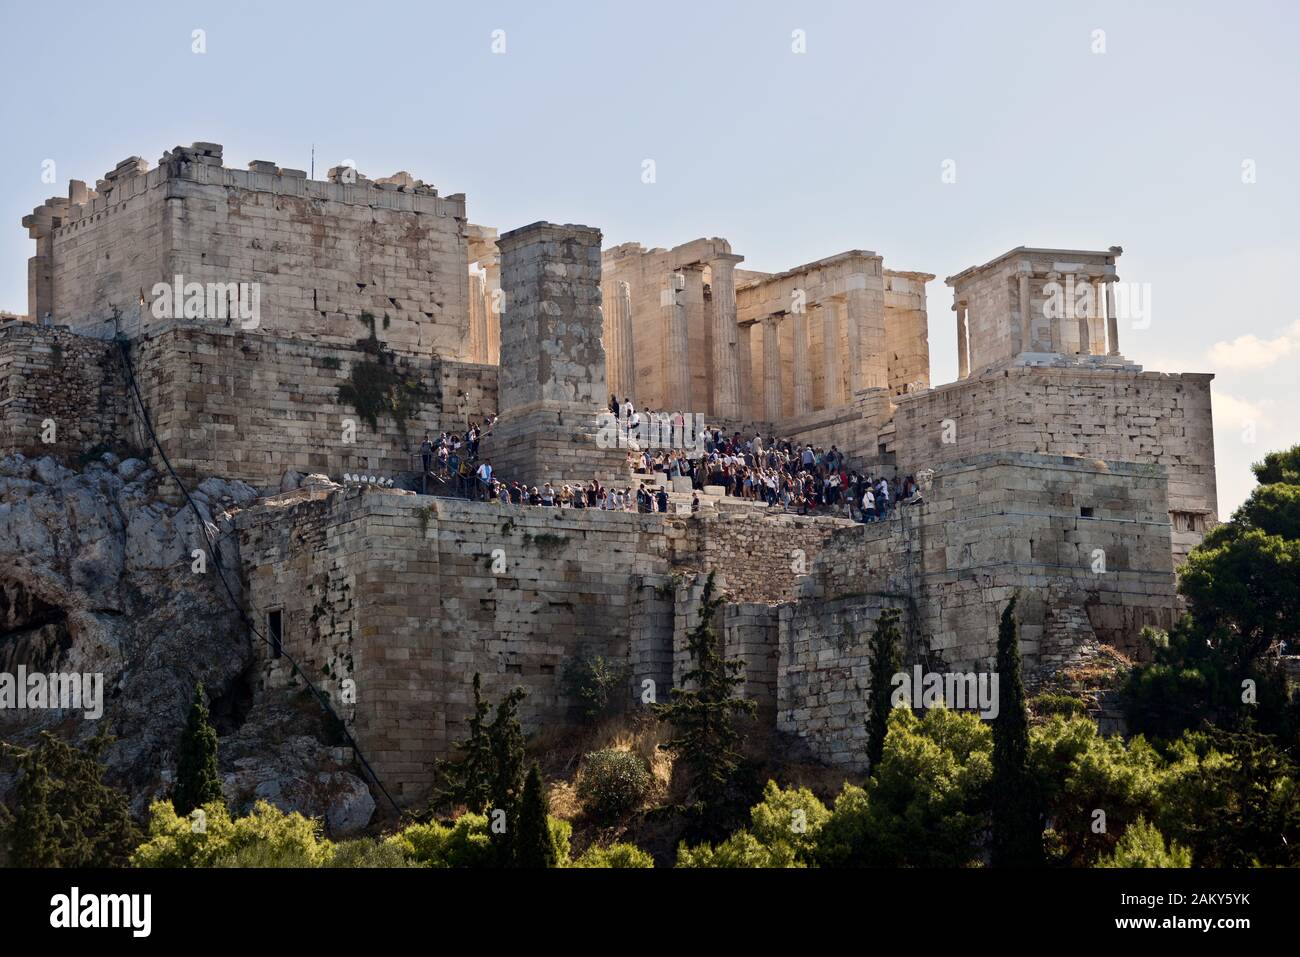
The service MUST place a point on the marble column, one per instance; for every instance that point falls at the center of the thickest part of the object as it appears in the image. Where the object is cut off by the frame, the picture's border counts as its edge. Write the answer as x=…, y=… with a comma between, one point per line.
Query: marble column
x=492, y=306
x=677, y=368
x=478, y=320
x=745, y=359
x=802, y=371
x=626, y=359
x=697, y=351
x=1080, y=315
x=1112, y=320
x=1054, y=313
x=726, y=361
x=771, y=368
x=1026, y=313
x=831, y=375
x=963, y=355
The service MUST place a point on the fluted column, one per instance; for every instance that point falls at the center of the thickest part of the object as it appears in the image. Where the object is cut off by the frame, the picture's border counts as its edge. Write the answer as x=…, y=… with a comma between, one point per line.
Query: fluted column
x=626, y=360
x=1054, y=318
x=677, y=369
x=1026, y=315
x=1112, y=321
x=492, y=306
x=726, y=361
x=745, y=358
x=963, y=353
x=830, y=310
x=802, y=372
x=771, y=368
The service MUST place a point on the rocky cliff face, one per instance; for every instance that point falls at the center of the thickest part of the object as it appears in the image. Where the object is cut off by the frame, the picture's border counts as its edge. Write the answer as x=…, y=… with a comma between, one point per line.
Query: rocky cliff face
x=98, y=575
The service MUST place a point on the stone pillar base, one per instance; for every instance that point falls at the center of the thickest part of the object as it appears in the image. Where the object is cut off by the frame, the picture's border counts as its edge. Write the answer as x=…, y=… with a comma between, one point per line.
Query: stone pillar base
x=552, y=442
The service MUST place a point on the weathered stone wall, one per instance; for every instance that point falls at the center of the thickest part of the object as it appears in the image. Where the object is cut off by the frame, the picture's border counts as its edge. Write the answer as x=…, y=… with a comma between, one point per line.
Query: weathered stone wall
x=51, y=375
x=1086, y=544
x=254, y=406
x=1149, y=418
x=321, y=252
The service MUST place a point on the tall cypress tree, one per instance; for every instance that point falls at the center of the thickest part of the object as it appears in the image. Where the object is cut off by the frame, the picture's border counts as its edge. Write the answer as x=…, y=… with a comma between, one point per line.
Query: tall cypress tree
x=198, y=781
x=469, y=781
x=886, y=661
x=534, y=846
x=506, y=739
x=703, y=717
x=1017, y=827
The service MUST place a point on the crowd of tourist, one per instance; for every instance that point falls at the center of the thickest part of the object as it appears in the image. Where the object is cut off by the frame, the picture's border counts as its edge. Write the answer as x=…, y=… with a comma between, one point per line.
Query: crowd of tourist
x=794, y=477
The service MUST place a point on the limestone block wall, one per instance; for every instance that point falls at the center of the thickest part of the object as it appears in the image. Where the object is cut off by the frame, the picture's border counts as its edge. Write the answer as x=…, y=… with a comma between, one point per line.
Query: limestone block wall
x=824, y=675
x=50, y=374
x=1085, y=543
x=321, y=252
x=758, y=557
x=1149, y=418
x=252, y=406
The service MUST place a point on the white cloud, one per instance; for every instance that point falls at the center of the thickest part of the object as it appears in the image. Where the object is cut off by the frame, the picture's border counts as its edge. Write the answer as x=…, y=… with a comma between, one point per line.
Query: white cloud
x=1231, y=412
x=1251, y=352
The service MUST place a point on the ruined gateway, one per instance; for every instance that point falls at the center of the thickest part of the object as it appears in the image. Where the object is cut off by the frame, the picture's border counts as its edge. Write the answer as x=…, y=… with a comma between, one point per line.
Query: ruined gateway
x=1049, y=449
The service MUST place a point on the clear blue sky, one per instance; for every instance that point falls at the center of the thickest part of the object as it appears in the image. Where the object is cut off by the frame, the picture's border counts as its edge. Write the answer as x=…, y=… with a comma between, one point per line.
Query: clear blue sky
x=790, y=156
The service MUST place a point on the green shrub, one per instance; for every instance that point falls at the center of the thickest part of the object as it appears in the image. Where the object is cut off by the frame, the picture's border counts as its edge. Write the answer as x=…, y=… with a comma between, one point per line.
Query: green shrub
x=466, y=842
x=742, y=849
x=265, y=838
x=1047, y=704
x=927, y=804
x=616, y=855
x=612, y=783
x=1143, y=846
x=365, y=852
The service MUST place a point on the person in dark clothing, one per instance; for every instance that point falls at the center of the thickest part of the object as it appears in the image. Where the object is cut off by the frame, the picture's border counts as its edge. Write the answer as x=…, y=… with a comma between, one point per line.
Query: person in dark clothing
x=662, y=499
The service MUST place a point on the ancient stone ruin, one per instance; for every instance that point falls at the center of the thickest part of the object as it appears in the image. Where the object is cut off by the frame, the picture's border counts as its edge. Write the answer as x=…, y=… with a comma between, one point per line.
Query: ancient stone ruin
x=384, y=314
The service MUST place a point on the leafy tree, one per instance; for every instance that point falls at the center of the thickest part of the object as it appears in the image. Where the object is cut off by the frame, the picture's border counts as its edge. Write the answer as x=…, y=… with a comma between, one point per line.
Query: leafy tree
x=198, y=781
x=267, y=837
x=616, y=855
x=783, y=833
x=467, y=843
x=1242, y=588
x=1279, y=468
x=469, y=781
x=1017, y=828
x=886, y=661
x=1077, y=772
x=506, y=741
x=927, y=803
x=1233, y=798
x=533, y=845
x=66, y=815
x=1143, y=846
x=703, y=719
